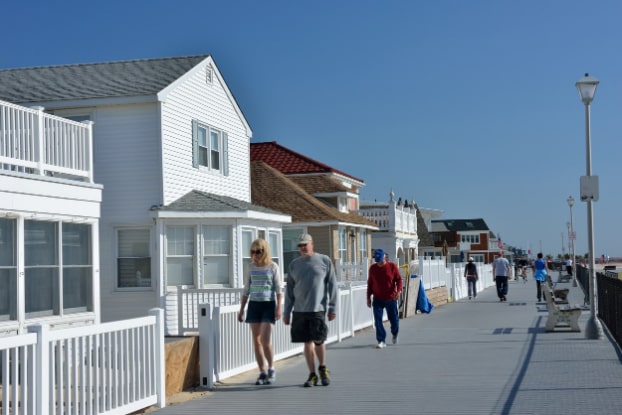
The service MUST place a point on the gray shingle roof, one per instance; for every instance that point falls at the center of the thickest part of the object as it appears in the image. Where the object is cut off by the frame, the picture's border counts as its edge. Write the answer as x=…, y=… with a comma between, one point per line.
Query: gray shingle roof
x=197, y=201
x=458, y=225
x=93, y=80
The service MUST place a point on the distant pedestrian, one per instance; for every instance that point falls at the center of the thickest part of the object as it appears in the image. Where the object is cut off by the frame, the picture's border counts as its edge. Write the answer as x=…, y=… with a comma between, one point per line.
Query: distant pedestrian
x=262, y=291
x=470, y=273
x=501, y=271
x=384, y=284
x=541, y=272
x=569, y=266
x=311, y=293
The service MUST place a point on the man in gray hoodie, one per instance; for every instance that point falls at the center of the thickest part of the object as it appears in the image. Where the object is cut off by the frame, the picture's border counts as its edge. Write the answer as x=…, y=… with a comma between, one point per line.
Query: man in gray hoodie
x=311, y=294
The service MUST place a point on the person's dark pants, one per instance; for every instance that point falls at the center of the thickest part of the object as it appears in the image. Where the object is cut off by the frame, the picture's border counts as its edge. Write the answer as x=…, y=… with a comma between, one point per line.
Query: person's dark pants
x=502, y=286
x=569, y=269
x=392, y=313
x=539, y=290
x=472, y=283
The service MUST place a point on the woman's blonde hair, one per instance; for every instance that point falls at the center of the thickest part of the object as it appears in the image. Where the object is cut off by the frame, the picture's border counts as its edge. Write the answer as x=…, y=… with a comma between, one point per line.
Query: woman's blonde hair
x=264, y=258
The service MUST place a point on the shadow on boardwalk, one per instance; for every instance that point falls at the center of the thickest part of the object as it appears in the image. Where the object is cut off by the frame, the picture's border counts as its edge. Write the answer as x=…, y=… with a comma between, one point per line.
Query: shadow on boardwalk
x=470, y=357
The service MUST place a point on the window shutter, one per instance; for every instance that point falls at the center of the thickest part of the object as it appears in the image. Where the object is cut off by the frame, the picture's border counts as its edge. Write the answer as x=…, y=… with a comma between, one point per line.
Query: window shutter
x=195, y=144
x=225, y=154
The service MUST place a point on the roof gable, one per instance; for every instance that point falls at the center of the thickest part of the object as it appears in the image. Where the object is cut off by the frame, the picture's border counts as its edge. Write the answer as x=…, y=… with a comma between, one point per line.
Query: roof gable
x=290, y=162
x=273, y=189
x=93, y=80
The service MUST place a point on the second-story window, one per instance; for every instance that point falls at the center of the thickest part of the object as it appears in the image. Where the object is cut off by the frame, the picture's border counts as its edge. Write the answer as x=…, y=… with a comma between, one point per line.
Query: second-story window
x=209, y=148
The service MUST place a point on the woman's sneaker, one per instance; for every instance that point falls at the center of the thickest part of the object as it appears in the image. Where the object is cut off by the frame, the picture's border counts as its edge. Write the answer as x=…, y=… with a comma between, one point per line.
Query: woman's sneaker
x=271, y=376
x=262, y=379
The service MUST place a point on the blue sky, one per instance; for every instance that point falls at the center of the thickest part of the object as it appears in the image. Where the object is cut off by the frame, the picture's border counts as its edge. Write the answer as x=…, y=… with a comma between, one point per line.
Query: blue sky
x=469, y=107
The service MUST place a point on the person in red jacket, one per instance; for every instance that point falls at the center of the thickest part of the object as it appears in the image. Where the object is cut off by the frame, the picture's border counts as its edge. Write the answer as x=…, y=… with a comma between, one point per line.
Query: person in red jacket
x=385, y=285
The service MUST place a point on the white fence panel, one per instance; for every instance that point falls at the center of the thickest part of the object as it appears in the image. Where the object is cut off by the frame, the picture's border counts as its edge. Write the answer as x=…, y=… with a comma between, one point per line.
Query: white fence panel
x=111, y=368
x=227, y=346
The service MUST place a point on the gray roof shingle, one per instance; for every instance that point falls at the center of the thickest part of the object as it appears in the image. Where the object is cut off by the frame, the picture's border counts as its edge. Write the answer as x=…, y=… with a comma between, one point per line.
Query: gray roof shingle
x=93, y=80
x=197, y=201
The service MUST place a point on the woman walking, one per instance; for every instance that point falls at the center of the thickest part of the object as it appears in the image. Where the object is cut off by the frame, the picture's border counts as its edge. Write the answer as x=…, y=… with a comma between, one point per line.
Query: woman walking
x=263, y=292
x=540, y=275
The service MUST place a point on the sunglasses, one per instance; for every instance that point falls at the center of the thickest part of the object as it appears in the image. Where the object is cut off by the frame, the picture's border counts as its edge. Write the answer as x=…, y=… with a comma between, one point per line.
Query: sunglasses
x=256, y=251
x=301, y=245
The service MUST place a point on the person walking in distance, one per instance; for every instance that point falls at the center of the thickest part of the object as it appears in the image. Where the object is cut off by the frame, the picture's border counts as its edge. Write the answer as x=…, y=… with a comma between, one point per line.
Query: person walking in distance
x=501, y=272
x=262, y=292
x=311, y=296
x=385, y=285
x=540, y=274
x=470, y=273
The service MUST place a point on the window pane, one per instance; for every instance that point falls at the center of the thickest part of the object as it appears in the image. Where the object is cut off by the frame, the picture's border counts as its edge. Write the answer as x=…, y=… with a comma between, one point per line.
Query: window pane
x=179, y=271
x=40, y=239
x=216, y=270
x=247, y=240
x=215, y=150
x=7, y=242
x=180, y=240
x=8, y=293
x=41, y=273
x=216, y=254
x=41, y=291
x=290, y=246
x=134, y=258
x=202, y=138
x=77, y=289
x=134, y=272
x=76, y=244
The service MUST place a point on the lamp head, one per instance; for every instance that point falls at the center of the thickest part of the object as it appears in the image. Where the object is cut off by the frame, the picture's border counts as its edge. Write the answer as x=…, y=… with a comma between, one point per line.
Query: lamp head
x=587, y=88
x=570, y=201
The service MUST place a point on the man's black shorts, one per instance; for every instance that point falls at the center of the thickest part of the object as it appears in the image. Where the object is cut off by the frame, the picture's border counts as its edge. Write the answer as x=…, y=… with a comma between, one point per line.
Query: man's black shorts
x=307, y=327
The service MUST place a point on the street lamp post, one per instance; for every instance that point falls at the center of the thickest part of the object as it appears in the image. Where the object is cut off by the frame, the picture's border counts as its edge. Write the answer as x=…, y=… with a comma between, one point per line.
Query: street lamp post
x=571, y=239
x=589, y=191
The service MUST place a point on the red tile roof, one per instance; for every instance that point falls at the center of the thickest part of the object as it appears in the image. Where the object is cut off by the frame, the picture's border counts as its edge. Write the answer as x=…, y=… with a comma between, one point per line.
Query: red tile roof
x=290, y=162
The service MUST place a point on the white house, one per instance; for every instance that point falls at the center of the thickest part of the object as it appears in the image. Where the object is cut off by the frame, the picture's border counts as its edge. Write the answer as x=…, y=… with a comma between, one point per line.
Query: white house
x=49, y=215
x=171, y=149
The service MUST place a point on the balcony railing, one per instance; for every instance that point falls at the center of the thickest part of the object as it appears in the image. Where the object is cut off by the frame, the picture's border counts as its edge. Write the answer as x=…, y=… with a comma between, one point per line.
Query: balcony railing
x=394, y=218
x=34, y=142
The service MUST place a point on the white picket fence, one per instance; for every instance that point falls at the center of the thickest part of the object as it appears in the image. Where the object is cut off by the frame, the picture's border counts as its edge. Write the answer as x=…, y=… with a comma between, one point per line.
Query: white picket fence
x=226, y=344
x=110, y=368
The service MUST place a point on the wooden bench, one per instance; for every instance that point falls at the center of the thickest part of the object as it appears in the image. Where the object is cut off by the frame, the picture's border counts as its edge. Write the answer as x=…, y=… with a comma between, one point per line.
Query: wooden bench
x=560, y=316
x=559, y=294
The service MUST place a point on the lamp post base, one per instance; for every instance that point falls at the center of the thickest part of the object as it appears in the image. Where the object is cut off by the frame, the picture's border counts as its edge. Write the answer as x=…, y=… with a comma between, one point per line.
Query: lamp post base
x=593, y=329
x=574, y=282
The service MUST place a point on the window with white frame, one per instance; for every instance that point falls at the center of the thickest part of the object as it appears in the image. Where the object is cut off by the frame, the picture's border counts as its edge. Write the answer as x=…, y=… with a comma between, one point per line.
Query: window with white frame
x=133, y=258
x=363, y=244
x=290, y=246
x=8, y=269
x=469, y=238
x=77, y=268
x=47, y=245
x=180, y=254
x=343, y=244
x=275, y=250
x=248, y=236
x=209, y=148
x=216, y=254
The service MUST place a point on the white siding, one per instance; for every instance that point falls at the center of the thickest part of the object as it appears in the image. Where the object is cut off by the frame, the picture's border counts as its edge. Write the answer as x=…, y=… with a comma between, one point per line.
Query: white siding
x=127, y=162
x=208, y=103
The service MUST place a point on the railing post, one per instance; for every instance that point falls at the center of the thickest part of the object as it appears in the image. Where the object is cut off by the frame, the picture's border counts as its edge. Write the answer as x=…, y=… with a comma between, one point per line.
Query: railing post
x=39, y=138
x=42, y=373
x=351, y=290
x=206, y=346
x=89, y=148
x=160, y=369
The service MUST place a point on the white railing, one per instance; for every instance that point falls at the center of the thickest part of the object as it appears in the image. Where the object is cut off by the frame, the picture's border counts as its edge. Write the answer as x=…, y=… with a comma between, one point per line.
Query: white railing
x=227, y=347
x=182, y=307
x=32, y=141
x=433, y=272
x=457, y=284
x=395, y=218
x=111, y=368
